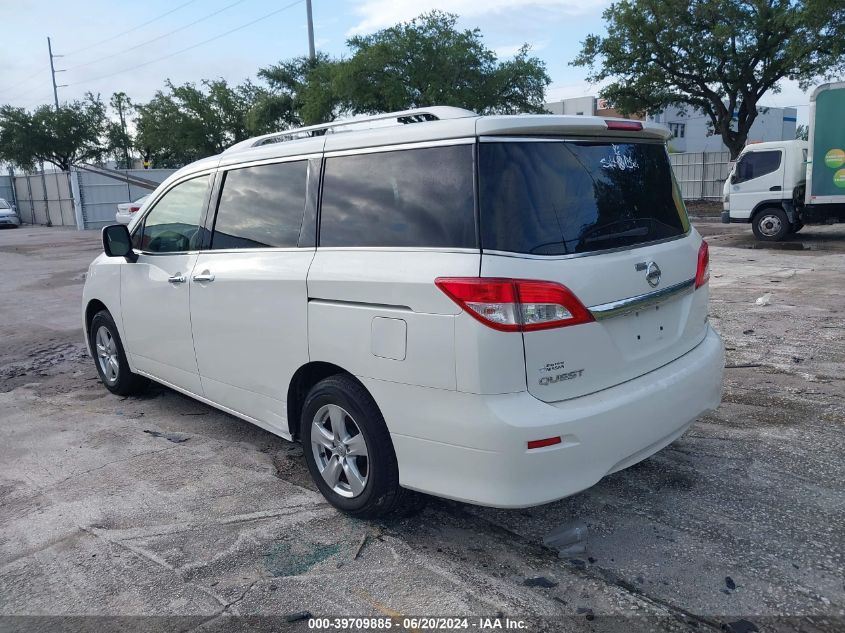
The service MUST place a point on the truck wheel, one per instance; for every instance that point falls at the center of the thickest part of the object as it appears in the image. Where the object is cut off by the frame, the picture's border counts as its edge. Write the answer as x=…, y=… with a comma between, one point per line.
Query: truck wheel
x=771, y=225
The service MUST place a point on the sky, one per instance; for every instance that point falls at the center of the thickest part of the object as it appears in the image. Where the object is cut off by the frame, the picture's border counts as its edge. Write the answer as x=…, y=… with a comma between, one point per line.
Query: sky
x=119, y=45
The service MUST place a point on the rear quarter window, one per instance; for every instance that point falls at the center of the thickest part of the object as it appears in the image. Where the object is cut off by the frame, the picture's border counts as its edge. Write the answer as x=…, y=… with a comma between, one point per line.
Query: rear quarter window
x=407, y=198
x=563, y=197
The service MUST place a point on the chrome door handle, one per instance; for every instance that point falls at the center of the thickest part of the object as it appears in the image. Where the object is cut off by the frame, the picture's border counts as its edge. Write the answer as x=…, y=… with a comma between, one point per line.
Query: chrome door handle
x=204, y=276
x=177, y=279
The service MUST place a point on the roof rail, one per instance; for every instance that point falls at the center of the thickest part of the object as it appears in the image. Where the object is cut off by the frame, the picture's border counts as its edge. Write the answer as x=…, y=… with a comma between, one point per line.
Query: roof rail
x=404, y=117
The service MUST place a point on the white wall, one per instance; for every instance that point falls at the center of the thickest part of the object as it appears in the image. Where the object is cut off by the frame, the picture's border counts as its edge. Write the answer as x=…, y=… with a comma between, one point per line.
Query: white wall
x=575, y=105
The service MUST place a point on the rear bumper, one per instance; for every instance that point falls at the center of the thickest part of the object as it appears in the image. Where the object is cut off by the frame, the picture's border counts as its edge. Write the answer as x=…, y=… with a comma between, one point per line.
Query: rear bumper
x=473, y=448
x=10, y=220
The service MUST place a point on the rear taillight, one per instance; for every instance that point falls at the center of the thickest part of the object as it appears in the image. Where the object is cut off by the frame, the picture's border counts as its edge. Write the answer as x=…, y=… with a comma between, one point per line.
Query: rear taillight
x=133, y=209
x=702, y=273
x=515, y=305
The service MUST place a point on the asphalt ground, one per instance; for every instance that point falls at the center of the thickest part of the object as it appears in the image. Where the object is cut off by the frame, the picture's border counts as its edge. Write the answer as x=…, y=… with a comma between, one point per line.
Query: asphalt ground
x=172, y=515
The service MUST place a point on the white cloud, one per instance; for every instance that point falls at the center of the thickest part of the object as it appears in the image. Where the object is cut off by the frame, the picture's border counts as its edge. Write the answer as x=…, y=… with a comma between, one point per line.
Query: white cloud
x=509, y=50
x=378, y=14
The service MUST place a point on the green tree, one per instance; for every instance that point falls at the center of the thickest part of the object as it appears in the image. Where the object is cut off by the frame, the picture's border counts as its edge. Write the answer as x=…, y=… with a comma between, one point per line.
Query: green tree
x=71, y=134
x=429, y=61
x=188, y=122
x=718, y=56
x=302, y=92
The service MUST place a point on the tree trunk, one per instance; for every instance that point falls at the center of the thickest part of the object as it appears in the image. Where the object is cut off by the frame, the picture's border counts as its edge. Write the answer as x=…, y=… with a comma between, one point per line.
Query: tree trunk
x=734, y=143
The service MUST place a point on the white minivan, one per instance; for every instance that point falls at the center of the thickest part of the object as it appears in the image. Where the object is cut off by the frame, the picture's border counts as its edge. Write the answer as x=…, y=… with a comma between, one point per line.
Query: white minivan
x=500, y=310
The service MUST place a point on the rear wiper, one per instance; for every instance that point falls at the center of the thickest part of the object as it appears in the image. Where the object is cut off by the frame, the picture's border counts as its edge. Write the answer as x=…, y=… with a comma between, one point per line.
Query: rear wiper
x=643, y=230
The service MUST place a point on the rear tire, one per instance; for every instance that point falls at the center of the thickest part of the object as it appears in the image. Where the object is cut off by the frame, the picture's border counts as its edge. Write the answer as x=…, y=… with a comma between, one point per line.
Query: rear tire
x=349, y=453
x=771, y=225
x=110, y=357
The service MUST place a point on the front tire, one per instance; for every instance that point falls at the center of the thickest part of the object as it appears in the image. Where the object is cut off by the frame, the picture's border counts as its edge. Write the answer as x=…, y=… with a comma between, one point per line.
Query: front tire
x=771, y=225
x=348, y=450
x=110, y=357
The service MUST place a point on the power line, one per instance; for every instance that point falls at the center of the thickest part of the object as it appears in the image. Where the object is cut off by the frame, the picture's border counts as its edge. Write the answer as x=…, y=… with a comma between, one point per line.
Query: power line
x=134, y=28
x=29, y=91
x=155, y=39
x=29, y=79
x=188, y=48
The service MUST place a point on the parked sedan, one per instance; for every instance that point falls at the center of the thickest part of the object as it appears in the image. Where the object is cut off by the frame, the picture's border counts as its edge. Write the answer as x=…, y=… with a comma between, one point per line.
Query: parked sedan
x=8, y=214
x=127, y=210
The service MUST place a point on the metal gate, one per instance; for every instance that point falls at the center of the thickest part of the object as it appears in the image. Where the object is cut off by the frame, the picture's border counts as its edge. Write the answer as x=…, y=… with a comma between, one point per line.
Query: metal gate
x=100, y=194
x=45, y=197
x=7, y=190
x=700, y=175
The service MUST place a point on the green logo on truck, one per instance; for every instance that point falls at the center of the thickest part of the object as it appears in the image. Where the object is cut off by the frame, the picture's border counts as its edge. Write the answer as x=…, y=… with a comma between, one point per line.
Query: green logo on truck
x=828, y=160
x=834, y=158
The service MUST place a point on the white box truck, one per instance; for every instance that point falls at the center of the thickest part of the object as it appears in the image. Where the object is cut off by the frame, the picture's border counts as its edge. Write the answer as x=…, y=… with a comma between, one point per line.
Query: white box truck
x=780, y=186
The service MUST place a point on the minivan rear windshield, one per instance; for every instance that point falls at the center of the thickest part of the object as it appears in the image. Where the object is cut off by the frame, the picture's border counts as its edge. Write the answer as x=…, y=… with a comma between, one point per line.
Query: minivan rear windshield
x=548, y=197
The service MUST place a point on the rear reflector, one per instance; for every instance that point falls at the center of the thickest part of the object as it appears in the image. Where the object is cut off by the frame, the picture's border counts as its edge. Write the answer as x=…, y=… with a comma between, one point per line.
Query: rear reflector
x=702, y=272
x=515, y=305
x=628, y=126
x=549, y=441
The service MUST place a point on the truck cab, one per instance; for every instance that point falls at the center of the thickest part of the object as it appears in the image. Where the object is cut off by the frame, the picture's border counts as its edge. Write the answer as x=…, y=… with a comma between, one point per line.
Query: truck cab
x=763, y=187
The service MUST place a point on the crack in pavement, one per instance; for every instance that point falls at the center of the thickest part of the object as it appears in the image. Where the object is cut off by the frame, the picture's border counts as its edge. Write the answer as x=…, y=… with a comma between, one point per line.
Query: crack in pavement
x=96, y=468
x=153, y=558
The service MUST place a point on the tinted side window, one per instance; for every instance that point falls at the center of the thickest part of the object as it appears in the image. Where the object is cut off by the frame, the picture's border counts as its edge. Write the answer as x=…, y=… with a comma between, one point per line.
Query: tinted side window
x=261, y=206
x=756, y=164
x=416, y=197
x=173, y=225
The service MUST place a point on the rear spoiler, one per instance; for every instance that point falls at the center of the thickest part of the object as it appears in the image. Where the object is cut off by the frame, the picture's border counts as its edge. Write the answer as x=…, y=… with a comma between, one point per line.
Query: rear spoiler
x=563, y=125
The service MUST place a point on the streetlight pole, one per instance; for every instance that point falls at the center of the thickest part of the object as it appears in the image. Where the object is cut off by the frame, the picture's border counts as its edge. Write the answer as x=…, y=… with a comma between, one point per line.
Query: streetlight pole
x=311, y=52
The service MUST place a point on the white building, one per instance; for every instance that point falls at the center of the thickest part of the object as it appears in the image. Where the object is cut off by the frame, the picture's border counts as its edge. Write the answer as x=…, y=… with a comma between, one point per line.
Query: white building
x=692, y=132
x=689, y=127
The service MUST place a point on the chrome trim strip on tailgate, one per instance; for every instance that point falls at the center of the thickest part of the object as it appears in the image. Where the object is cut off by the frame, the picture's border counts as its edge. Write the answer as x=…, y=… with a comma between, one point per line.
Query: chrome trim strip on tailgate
x=631, y=304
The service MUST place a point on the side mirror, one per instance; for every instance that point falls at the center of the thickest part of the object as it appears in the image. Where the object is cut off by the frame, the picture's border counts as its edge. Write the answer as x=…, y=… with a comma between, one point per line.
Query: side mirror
x=118, y=243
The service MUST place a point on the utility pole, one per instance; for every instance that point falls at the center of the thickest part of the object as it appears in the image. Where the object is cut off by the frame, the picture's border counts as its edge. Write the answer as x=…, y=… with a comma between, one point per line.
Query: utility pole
x=311, y=52
x=53, y=72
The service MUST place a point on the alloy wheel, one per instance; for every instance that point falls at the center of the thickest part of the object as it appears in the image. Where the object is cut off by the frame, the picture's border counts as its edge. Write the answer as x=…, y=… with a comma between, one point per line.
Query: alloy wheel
x=340, y=450
x=107, y=354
